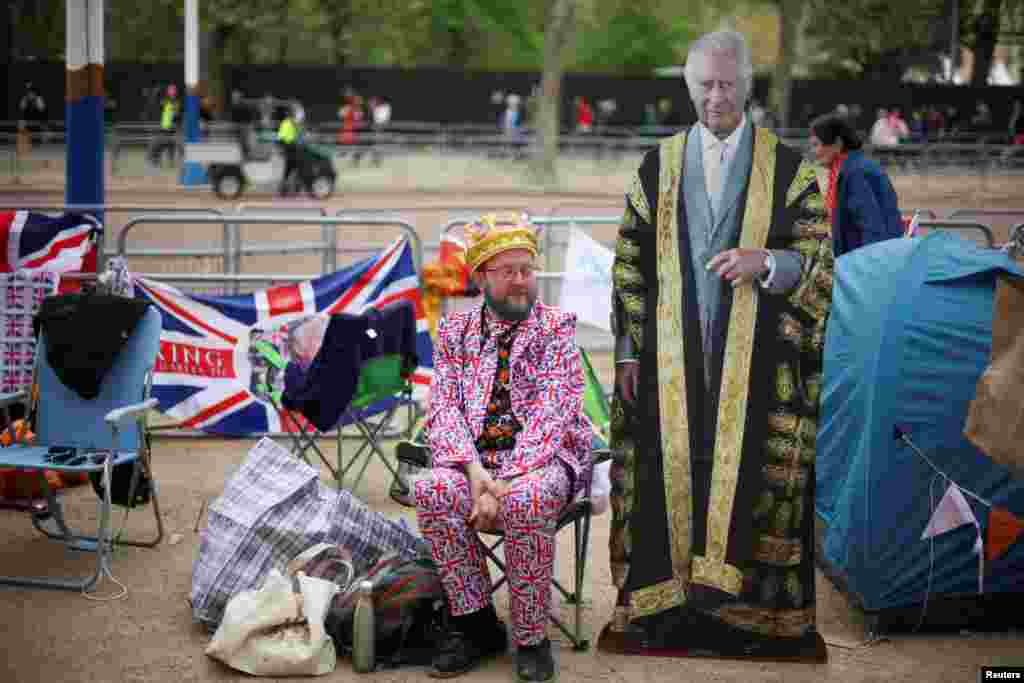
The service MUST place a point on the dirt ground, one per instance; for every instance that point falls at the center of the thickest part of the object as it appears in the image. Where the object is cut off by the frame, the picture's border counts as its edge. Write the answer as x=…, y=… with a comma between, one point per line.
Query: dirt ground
x=149, y=635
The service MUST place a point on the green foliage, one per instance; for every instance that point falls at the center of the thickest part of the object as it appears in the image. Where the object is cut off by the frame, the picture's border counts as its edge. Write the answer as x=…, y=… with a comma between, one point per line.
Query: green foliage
x=631, y=41
x=130, y=36
x=880, y=38
x=39, y=29
x=461, y=32
x=851, y=38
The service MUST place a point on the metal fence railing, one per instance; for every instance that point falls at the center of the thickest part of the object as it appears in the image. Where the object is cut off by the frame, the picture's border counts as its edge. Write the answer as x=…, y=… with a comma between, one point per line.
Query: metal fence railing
x=326, y=247
x=127, y=141
x=976, y=232
x=235, y=248
x=181, y=214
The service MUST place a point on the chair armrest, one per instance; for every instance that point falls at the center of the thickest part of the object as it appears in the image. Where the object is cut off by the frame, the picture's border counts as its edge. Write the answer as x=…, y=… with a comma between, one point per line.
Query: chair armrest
x=134, y=410
x=7, y=400
x=600, y=455
x=412, y=454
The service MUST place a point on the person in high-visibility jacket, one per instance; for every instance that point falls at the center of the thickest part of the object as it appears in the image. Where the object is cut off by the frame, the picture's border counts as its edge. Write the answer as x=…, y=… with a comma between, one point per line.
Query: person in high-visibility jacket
x=167, y=138
x=288, y=139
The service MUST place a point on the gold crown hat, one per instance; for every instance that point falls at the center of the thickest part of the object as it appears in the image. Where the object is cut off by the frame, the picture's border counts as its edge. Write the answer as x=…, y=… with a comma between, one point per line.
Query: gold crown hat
x=486, y=239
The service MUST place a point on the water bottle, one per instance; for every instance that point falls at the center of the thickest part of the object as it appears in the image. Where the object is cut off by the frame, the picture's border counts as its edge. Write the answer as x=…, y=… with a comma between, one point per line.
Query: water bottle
x=363, y=630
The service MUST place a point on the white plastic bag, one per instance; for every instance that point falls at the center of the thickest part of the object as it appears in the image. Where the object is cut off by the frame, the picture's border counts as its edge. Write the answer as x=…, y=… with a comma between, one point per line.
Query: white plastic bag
x=600, y=488
x=274, y=631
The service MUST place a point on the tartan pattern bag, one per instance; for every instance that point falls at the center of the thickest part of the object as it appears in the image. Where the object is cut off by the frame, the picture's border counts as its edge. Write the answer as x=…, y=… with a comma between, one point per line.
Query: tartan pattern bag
x=272, y=509
x=409, y=608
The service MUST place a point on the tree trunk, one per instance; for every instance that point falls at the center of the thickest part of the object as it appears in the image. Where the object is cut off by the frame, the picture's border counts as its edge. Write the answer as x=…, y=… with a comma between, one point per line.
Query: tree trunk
x=216, y=49
x=282, y=21
x=561, y=17
x=6, y=58
x=793, y=16
x=986, y=32
x=340, y=41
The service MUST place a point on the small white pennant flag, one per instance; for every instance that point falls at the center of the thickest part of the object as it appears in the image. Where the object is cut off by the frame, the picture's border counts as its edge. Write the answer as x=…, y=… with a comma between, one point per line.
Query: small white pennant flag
x=587, y=288
x=951, y=513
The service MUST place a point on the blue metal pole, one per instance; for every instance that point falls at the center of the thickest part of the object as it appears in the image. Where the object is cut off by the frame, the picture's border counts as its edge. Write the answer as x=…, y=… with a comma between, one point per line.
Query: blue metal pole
x=192, y=173
x=84, y=168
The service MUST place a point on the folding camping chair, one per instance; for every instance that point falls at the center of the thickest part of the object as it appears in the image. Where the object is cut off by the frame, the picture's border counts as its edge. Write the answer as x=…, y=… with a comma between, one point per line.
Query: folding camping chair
x=382, y=386
x=96, y=435
x=416, y=454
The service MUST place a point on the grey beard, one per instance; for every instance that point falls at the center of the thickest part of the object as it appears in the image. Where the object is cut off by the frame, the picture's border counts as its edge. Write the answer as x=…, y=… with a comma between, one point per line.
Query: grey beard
x=506, y=310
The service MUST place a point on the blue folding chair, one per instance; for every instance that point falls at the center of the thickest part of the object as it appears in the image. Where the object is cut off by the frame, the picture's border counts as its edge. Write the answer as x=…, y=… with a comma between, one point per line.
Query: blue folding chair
x=74, y=434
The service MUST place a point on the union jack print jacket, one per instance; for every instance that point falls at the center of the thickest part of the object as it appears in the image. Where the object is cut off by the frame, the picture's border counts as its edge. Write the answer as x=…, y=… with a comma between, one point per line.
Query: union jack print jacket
x=546, y=378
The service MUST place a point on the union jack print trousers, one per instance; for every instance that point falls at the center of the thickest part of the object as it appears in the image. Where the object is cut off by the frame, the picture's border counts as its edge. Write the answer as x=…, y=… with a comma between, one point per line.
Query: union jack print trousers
x=528, y=515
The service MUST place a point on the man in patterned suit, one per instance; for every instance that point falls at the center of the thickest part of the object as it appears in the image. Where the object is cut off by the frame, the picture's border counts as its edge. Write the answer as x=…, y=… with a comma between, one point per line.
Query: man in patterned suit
x=508, y=440
x=723, y=249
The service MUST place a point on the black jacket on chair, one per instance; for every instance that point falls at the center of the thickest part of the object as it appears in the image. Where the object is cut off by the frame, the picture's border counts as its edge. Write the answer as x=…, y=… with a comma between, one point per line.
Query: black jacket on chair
x=84, y=333
x=325, y=390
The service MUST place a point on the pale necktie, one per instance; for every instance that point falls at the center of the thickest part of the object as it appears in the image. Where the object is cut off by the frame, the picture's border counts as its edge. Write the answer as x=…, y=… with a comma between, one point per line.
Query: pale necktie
x=716, y=160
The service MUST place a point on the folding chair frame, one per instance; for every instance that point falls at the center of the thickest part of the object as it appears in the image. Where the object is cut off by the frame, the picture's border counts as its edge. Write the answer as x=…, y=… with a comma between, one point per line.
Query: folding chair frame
x=578, y=513
x=103, y=542
x=371, y=429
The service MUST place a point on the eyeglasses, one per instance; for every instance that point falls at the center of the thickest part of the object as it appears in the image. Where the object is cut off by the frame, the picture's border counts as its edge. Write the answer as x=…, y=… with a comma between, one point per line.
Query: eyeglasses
x=509, y=272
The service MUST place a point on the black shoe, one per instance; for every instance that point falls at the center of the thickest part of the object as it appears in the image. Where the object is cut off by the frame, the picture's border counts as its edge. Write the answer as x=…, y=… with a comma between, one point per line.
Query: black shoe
x=535, y=663
x=459, y=653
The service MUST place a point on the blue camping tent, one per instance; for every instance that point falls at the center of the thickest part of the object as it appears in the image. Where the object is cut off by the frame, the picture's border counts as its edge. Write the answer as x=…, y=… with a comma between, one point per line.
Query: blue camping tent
x=909, y=335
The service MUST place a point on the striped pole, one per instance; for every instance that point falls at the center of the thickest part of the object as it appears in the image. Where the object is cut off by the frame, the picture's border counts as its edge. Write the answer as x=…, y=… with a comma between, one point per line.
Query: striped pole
x=84, y=93
x=192, y=173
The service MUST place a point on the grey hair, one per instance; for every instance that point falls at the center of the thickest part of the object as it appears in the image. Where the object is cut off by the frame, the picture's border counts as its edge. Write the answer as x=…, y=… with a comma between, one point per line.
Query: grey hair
x=729, y=42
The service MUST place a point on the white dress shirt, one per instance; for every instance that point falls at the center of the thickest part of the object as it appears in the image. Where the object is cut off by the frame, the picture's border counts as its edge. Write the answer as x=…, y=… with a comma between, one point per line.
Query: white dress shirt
x=718, y=158
x=784, y=264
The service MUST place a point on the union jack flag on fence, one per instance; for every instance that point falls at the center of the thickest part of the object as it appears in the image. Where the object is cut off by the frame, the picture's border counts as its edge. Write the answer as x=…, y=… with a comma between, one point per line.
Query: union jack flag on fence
x=32, y=241
x=221, y=357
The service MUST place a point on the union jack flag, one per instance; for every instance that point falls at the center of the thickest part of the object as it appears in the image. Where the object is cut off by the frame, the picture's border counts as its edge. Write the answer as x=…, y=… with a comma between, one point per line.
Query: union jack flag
x=218, y=360
x=14, y=325
x=32, y=241
x=14, y=296
x=14, y=354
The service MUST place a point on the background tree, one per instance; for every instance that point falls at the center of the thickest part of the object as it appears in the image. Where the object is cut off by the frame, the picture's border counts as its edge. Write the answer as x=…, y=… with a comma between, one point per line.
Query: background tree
x=983, y=37
x=39, y=29
x=461, y=30
x=880, y=39
x=631, y=37
x=556, y=38
x=794, y=16
x=339, y=18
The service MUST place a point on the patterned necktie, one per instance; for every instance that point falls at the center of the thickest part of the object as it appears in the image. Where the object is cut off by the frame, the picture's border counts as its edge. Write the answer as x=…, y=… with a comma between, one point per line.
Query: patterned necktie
x=716, y=160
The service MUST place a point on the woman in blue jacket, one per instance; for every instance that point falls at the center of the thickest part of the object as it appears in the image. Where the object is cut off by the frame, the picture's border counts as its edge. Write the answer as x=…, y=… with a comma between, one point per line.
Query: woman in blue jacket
x=860, y=198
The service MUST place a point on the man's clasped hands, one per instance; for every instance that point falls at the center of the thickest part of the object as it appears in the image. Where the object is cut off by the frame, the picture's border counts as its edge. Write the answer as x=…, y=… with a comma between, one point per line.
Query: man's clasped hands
x=486, y=492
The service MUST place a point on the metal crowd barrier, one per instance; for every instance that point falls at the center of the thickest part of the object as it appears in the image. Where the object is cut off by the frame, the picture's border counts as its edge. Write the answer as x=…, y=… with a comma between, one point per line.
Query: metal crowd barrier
x=985, y=153
x=234, y=249
x=997, y=219
x=90, y=209
x=988, y=240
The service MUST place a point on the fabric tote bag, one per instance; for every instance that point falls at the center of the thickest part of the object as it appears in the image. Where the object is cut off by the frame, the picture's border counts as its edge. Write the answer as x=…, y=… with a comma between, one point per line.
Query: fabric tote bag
x=272, y=509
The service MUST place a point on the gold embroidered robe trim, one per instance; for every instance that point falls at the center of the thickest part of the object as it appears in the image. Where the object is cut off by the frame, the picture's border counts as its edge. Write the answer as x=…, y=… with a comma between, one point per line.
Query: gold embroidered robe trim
x=638, y=198
x=777, y=551
x=791, y=623
x=675, y=438
x=711, y=569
